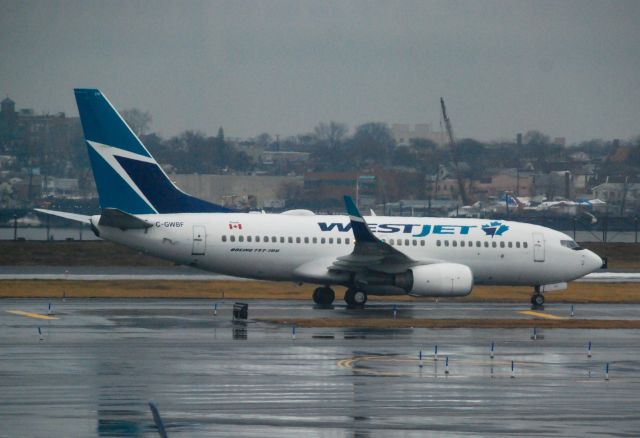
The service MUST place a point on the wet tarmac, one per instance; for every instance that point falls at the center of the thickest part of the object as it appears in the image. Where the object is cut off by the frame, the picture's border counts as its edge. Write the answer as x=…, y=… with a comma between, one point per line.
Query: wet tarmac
x=91, y=372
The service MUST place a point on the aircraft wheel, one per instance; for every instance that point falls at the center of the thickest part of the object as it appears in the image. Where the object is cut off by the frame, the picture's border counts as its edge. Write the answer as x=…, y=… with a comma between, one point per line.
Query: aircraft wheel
x=323, y=296
x=359, y=298
x=327, y=295
x=537, y=299
x=348, y=297
x=316, y=295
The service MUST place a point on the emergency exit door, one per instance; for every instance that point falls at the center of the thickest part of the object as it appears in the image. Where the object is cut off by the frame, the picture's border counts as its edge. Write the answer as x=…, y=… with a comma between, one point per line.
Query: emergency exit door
x=199, y=240
x=538, y=247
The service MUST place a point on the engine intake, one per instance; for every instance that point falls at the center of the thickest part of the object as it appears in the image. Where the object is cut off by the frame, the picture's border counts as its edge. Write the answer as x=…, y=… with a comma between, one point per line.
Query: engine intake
x=440, y=279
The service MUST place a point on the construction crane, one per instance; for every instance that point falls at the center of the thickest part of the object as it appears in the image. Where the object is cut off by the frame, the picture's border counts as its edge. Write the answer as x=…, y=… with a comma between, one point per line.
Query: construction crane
x=454, y=156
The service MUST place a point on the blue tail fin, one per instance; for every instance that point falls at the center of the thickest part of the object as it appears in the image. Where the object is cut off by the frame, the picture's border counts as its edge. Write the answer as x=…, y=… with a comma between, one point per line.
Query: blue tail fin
x=127, y=176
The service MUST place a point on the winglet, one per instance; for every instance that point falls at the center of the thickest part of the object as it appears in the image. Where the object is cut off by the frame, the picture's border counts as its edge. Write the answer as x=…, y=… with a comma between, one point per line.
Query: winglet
x=359, y=227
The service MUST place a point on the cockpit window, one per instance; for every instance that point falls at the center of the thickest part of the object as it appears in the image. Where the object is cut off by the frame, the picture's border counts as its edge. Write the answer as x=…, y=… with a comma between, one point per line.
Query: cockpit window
x=571, y=244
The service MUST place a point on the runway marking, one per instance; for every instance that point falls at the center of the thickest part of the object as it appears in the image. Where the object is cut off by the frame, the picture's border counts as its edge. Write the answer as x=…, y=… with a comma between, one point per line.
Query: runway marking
x=540, y=314
x=30, y=314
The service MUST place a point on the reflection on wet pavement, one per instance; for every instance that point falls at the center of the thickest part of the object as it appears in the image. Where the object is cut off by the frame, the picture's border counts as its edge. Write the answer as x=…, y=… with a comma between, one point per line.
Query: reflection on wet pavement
x=99, y=364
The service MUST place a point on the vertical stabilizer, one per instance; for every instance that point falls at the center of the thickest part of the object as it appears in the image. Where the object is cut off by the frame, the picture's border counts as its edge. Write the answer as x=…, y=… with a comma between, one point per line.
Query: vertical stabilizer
x=127, y=177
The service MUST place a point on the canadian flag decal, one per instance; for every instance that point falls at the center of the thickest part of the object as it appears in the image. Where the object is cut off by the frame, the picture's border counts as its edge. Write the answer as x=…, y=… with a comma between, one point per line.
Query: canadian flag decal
x=235, y=226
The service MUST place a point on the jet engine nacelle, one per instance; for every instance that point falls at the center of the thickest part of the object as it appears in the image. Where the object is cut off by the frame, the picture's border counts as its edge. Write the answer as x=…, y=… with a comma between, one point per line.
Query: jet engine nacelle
x=441, y=279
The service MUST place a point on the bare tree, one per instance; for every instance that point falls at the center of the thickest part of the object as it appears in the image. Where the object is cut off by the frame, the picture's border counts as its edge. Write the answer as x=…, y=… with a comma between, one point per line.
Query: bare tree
x=138, y=121
x=331, y=133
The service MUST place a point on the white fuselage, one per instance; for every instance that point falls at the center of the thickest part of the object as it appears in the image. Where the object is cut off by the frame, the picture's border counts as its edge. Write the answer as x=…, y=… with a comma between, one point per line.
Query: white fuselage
x=300, y=248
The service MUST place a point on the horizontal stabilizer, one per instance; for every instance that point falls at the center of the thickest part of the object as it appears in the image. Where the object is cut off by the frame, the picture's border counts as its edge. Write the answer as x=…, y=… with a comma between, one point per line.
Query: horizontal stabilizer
x=112, y=217
x=71, y=216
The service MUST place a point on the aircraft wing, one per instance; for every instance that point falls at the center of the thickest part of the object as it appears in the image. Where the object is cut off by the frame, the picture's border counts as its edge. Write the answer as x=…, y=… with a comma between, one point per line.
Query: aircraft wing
x=370, y=253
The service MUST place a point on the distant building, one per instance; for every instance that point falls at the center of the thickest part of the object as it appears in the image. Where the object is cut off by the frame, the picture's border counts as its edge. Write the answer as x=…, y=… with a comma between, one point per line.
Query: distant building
x=505, y=180
x=366, y=191
x=238, y=191
x=27, y=189
x=554, y=185
x=615, y=192
x=60, y=187
x=284, y=162
x=370, y=187
x=324, y=185
x=37, y=140
x=403, y=133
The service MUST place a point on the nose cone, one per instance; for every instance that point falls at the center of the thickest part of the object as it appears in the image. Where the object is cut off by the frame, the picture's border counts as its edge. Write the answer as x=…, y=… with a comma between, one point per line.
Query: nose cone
x=592, y=262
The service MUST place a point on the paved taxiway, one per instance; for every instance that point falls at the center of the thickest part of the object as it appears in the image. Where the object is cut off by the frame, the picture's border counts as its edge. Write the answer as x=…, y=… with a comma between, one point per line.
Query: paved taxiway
x=185, y=273
x=100, y=361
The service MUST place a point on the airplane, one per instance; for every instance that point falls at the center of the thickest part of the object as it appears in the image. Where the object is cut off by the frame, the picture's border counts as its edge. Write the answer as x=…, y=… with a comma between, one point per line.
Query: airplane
x=141, y=208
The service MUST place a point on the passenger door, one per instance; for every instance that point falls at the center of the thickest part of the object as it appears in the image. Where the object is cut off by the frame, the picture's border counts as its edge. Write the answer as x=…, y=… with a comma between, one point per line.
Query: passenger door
x=199, y=240
x=538, y=247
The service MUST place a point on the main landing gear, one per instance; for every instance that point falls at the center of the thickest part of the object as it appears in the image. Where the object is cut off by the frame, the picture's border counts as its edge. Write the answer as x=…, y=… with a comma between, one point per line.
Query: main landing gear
x=537, y=299
x=323, y=296
x=355, y=298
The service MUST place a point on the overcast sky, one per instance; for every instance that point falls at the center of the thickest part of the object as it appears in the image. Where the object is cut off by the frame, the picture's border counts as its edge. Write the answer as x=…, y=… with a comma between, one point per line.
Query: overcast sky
x=567, y=68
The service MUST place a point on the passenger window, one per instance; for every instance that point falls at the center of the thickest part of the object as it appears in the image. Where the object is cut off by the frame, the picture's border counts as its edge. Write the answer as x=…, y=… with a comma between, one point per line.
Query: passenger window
x=257, y=238
x=290, y=239
x=501, y=244
x=478, y=244
x=399, y=241
x=339, y=240
x=240, y=238
x=298, y=240
x=446, y=243
x=330, y=239
x=315, y=240
x=232, y=238
x=322, y=240
x=524, y=244
x=406, y=242
x=266, y=239
x=462, y=243
x=422, y=243
x=438, y=243
x=494, y=244
x=486, y=244
x=454, y=243
x=274, y=239
x=347, y=240
x=470, y=244
x=510, y=244
x=306, y=240
x=517, y=244
x=249, y=238
x=281, y=239
x=224, y=238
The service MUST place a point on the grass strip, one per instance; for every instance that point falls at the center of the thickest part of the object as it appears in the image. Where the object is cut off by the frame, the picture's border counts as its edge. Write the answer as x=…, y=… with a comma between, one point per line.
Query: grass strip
x=246, y=290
